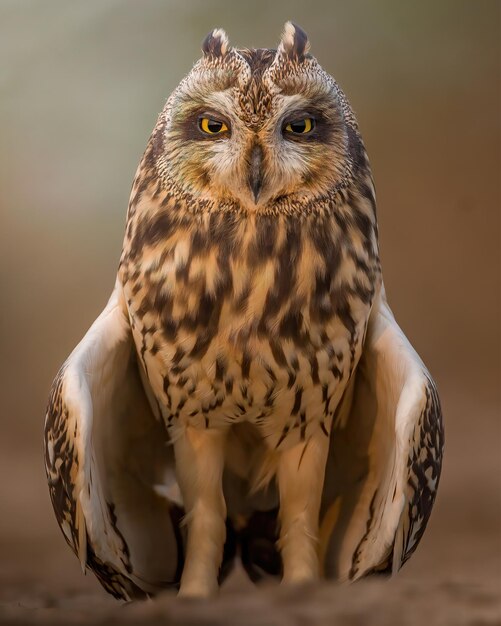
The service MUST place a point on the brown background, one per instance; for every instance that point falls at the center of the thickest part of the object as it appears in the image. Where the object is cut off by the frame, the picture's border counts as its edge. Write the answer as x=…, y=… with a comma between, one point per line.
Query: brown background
x=81, y=84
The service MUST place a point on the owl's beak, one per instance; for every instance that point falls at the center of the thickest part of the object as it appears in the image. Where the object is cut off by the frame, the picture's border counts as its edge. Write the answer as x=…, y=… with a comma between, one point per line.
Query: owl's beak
x=255, y=179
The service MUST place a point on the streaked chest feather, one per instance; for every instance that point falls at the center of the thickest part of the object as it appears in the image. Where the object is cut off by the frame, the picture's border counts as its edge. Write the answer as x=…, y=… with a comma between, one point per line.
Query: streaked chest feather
x=258, y=318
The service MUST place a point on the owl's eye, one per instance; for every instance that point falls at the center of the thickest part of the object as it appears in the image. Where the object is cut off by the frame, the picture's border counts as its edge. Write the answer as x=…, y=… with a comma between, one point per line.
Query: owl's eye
x=211, y=126
x=300, y=127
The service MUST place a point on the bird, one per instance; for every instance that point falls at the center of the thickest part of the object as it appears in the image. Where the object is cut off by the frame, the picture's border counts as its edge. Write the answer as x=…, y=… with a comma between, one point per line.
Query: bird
x=246, y=393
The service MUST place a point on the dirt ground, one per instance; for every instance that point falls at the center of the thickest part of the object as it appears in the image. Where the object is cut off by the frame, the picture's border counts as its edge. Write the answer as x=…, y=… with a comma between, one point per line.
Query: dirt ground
x=80, y=87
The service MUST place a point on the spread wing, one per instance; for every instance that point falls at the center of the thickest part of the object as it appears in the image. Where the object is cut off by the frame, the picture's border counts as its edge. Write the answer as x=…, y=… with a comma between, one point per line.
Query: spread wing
x=385, y=457
x=109, y=465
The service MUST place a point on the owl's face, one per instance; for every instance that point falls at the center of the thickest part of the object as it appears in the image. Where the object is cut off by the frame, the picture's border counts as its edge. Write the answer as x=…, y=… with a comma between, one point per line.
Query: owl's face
x=248, y=128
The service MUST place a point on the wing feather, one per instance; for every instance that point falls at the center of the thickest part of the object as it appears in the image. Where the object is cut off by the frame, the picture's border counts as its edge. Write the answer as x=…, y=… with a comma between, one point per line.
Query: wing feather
x=385, y=458
x=109, y=464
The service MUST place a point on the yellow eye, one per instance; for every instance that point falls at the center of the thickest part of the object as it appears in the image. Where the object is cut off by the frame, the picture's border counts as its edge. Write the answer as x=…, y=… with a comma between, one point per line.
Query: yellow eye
x=301, y=127
x=211, y=126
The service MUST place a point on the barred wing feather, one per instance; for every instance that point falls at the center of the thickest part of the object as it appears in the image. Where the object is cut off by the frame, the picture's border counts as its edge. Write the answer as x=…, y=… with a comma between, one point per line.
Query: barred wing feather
x=385, y=457
x=109, y=466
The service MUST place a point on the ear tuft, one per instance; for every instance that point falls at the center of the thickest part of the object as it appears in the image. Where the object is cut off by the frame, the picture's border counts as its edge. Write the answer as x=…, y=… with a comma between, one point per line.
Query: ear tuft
x=216, y=43
x=294, y=42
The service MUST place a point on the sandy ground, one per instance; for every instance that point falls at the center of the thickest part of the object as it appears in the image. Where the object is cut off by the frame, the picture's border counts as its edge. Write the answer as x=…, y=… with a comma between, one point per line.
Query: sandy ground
x=414, y=598
x=403, y=602
x=439, y=588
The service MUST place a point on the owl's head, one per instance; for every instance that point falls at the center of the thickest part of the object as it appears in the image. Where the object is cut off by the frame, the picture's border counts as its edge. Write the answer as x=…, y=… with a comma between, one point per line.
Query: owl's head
x=257, y=130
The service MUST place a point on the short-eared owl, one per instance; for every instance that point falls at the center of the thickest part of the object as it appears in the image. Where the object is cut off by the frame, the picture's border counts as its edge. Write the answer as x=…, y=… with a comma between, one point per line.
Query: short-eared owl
x=246, y=391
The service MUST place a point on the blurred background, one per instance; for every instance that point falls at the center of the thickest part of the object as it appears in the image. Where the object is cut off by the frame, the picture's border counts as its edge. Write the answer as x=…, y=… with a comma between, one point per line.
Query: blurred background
x=81, y=85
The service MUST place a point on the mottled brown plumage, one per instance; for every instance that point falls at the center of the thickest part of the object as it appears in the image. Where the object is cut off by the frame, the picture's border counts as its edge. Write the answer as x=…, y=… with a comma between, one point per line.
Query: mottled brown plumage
x=251, y=281
x=220, y=293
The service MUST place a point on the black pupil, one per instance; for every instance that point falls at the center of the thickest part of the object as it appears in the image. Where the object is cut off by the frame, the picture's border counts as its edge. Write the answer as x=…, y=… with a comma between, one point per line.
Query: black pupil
x=299, y=126
x=214, y=126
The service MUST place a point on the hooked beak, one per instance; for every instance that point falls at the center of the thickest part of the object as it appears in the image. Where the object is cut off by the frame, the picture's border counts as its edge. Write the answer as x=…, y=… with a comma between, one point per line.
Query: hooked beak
x=255, y=179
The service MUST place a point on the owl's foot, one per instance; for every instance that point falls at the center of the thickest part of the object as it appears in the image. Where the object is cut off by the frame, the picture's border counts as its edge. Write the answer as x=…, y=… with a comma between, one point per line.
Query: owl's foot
x=300, y=481
x=299, y=553
x=200, y=461
x=198, y=587
x=300, y=573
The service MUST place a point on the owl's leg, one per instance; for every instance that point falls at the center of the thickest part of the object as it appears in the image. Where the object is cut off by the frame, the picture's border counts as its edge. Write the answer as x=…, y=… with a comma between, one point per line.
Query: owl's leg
x=300, y=476
x=199, y=466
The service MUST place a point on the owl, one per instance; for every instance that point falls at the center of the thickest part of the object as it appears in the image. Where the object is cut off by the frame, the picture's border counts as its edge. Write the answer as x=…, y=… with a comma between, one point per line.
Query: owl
x=246, y=393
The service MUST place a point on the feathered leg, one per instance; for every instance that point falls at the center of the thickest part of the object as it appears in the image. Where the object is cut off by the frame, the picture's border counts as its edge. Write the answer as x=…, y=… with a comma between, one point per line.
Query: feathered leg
x=300, y=482
x=199, y=464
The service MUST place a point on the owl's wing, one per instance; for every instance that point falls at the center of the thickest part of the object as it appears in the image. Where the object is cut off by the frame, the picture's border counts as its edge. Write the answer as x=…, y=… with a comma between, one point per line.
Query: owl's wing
x=109, y=466
x=385, y=457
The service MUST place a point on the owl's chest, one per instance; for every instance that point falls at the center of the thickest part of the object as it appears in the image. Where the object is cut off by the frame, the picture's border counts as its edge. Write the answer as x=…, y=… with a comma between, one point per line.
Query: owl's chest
x=267, y=329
